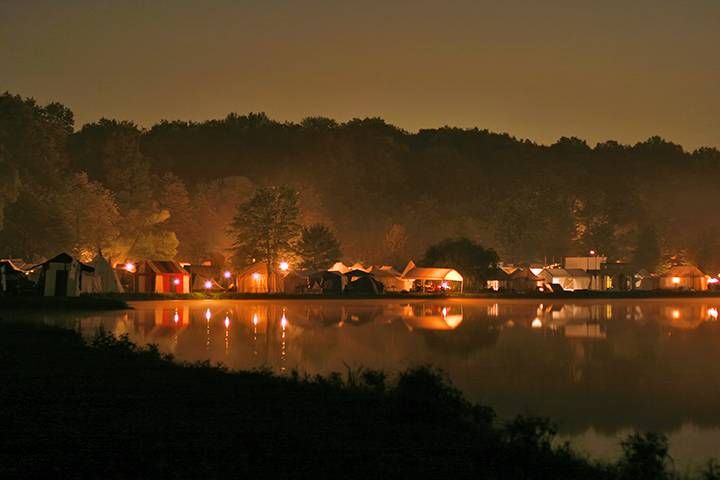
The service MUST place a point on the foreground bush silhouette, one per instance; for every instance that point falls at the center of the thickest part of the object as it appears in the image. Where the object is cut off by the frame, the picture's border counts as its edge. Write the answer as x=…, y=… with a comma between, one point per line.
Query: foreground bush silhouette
x=112, y=409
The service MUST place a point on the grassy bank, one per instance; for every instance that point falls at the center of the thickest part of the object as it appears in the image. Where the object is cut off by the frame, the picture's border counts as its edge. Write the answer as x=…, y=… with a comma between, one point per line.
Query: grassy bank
x=111, y=409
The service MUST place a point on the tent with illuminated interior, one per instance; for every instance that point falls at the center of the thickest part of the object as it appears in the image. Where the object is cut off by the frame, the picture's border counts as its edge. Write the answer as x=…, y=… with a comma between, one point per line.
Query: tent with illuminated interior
x=432, y=279
x=161, y=276
x=684, y=277
x=106, y=279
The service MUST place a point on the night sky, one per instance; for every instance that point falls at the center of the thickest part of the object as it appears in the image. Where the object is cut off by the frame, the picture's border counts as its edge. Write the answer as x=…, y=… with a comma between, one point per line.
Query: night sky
x=536, y=69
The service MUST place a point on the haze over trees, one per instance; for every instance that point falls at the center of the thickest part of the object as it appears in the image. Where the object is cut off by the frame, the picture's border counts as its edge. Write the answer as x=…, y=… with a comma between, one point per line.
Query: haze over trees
x=172, y=190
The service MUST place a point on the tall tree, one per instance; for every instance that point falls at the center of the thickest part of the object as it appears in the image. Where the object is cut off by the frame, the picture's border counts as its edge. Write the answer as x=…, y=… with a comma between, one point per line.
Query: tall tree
x=92, y=215
x=472, y=260
x=318, y=248
x=264, y=228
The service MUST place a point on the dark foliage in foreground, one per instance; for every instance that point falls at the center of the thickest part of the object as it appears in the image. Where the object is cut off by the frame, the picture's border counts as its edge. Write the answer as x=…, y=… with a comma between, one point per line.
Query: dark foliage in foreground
x=112, y=409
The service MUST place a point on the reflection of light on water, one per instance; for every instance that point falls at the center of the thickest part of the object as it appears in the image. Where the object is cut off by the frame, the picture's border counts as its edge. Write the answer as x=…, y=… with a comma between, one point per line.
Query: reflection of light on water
x=537, y=323
x=208, y=315
x=283, y=344
x=227, y=334
x=176, y=317
x=676, y=314
x=713, y=313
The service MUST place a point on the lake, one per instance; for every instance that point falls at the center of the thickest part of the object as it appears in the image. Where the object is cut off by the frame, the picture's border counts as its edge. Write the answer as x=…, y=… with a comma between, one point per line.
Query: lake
x=599, y=369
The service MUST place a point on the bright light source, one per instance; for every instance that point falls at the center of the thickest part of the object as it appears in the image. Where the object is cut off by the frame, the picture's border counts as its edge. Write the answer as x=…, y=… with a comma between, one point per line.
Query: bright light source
x=130, y=267
x=176, y=281
x=713, y=280
x=226, y=274
x=592, y=252
x=445, y=285
x=537, y=323
x=676, y=280
x=256, y=276
x=208, y=284
x=208, y=314
x=255, y=319
x=284, y=266
x=283, y=322
x=676, y=314
x=176, y=317
x=536, y=271
x=227, y=322
x=713, y=313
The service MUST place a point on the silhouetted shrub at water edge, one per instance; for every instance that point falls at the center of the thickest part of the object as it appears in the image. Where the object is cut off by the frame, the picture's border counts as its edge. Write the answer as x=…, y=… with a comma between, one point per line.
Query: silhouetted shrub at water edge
x=109, y=408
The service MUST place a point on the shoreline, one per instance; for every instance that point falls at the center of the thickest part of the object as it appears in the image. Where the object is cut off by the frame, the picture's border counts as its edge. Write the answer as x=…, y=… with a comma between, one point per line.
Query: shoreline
x=119, y=301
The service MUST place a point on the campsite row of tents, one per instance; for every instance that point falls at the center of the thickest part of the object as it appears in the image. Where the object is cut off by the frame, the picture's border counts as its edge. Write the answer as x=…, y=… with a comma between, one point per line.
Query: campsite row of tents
x=65, y=275
x=595, y=273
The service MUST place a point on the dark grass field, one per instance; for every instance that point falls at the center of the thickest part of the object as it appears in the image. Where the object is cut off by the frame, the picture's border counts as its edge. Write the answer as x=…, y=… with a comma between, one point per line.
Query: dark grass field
x=110, y=409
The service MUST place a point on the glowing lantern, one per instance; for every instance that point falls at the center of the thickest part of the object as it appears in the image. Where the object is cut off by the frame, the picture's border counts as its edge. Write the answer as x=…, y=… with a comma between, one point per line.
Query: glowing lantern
x=226, y=274
x=284, y=266
x=130, y=267
x=592, y=252
x=676, y=280
x=537, y=323
x=208, y=284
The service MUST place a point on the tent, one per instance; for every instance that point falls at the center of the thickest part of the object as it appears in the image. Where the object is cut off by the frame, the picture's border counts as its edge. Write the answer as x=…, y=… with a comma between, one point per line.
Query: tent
x=106, y=280
x=65, y=276
x=390, y=278
x=432, y=278
x=684, y=277
x=568, y=279
x=162, y=276
x=13, y=280
x=363, y=285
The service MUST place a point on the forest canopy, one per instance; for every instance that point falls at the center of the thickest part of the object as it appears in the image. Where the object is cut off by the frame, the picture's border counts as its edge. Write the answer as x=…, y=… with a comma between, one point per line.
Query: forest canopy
x=172, y=190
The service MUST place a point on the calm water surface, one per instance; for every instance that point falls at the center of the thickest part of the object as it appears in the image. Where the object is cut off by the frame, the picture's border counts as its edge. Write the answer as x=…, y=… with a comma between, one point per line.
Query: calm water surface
x=600, y=369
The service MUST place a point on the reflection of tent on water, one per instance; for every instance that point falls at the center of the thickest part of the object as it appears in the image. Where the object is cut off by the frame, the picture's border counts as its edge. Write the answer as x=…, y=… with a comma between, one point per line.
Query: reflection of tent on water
x=106, y=280
x=432, y=317
x=358, y=315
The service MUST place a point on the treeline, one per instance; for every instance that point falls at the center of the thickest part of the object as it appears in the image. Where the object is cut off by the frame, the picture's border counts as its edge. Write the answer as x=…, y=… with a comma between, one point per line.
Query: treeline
x=387, y=193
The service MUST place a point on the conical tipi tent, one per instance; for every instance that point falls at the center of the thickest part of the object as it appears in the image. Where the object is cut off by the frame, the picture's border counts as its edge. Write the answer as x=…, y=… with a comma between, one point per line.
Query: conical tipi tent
x=106, y=280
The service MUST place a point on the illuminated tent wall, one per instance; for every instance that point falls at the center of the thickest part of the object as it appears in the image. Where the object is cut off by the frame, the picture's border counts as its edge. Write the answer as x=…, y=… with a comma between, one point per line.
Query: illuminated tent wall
x=106, y=280
x=685, y=277
x=161, y=276
x=254, y=279
x=568, y=279
x=390, y=278
x=64, y=276
x=431, y=276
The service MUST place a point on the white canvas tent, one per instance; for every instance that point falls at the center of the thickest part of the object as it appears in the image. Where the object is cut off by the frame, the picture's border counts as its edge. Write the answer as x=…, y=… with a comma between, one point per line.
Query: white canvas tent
x=106, y=279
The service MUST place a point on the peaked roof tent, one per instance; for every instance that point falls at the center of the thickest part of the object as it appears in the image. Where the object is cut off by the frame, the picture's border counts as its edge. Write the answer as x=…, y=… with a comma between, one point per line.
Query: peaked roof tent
x=65, y=258
x=164, y=267
x=413, y=272
x=684, y=271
